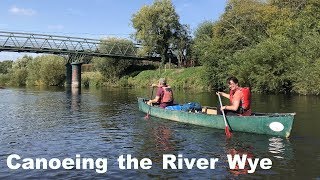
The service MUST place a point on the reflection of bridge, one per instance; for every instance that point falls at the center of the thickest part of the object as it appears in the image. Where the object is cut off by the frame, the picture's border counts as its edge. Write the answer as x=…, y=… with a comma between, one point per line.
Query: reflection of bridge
x=76, y=49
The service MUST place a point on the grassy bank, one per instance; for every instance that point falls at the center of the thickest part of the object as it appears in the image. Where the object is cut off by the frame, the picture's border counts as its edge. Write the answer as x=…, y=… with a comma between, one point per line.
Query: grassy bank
x=184, y=78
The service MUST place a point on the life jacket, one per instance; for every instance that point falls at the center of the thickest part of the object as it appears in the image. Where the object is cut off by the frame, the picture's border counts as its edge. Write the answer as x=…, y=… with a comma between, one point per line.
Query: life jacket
x=245, y=99
x=167, y=94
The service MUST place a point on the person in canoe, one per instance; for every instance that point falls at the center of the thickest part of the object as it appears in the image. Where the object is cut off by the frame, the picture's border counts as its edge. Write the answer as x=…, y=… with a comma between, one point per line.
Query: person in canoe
x=164, y=96
x=240, y=99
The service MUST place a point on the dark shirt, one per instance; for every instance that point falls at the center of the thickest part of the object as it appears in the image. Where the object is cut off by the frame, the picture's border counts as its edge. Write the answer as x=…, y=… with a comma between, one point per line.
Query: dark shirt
x=160, y=93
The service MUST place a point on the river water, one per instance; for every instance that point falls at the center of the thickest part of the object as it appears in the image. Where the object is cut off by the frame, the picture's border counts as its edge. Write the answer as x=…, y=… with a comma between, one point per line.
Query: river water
x=106, y=123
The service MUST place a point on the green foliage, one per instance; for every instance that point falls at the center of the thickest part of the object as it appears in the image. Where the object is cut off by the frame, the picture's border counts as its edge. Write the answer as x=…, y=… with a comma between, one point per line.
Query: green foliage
x=34, y=75
x=113, y=68
x=211, y=55
x=272, y=46
x=92, y=79
x=184, y=78
x=4, y=79
x=5, y=66
x=117, y=46
x=123, y=82
x=47, y=70
x=265, y=66
x=19, y=73
x=158, y=28
x=306, y=65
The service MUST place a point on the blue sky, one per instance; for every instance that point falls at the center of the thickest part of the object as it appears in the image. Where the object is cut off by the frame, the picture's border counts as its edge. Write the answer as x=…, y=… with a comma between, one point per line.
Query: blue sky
x=94, y=18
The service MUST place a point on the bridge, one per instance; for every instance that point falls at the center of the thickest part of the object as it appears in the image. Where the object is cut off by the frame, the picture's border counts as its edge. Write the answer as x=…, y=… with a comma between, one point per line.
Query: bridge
x=76, y=50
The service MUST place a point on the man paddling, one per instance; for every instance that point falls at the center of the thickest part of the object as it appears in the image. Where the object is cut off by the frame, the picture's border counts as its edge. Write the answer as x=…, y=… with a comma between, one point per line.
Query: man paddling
x=240, y=99
x=164, y=96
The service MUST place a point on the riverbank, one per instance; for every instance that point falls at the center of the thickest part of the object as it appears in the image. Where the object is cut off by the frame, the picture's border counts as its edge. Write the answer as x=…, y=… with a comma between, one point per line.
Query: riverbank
x=191, y=78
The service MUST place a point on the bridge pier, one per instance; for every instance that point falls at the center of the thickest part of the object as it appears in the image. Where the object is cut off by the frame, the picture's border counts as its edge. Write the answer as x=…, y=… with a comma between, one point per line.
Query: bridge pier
x=68, y=75
x=76, y=74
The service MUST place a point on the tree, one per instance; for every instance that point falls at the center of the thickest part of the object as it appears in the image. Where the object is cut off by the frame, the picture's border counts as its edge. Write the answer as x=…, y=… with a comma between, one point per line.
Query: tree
x=5, y=66
x=47, y=70
x=157, y=28
x=182, y=45
x=202, y=36
x=113, y=68
x=19, y=73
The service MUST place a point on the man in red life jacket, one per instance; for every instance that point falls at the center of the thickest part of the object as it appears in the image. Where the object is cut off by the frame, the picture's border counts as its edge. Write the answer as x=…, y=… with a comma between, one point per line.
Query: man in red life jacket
x=164, y=96
x=240, y=99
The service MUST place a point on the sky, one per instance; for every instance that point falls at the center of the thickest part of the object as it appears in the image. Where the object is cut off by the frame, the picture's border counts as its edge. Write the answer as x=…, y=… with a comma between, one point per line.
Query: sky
x=92, y=18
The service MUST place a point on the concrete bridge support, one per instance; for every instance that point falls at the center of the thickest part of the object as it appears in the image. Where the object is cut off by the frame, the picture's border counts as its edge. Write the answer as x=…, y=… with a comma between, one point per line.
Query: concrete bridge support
x=76, y=74
x=68, y=75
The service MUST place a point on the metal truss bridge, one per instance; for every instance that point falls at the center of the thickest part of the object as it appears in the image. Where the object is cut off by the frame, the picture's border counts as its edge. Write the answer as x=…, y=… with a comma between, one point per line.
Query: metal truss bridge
x=75, y=47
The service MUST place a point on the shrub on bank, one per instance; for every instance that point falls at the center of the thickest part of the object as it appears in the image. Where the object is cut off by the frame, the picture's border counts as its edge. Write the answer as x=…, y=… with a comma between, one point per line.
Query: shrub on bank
x=4, y=79
x=92, y=79
x=184, y=78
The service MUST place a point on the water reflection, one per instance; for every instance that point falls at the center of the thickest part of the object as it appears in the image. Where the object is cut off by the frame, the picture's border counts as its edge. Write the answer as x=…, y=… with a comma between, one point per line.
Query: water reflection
x=74, y=97
x=276, y=147
x=162, y=135
x=238, y=148
x=107, y=123
x=158, y=139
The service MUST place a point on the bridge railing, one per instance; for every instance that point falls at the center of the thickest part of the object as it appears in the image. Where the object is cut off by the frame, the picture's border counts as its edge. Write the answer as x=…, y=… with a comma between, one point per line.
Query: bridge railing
x=40, y=43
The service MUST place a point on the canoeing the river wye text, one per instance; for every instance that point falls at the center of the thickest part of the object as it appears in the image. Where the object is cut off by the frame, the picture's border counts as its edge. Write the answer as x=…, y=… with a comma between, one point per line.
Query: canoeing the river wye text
x=169, y=161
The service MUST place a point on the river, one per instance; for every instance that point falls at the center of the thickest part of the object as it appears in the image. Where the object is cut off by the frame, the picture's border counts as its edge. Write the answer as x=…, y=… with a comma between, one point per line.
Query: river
x=106, y=123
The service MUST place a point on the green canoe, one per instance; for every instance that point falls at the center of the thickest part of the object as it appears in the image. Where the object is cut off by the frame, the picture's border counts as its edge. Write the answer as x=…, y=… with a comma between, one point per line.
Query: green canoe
x=278, y=124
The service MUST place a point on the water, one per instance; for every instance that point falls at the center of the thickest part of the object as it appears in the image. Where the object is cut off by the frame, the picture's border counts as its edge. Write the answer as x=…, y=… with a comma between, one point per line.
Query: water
x=106, y=123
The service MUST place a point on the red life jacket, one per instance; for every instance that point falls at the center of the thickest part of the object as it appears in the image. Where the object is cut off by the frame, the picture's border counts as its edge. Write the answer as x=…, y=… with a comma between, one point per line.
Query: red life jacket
x=245, y=98
x=167, y=94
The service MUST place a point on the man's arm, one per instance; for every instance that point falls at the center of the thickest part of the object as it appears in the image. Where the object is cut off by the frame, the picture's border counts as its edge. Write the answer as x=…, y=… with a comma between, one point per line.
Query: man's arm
x=155, y=100
x=235, y=102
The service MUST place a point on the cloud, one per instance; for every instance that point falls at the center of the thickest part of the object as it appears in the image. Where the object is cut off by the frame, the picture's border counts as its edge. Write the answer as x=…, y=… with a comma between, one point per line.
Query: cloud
x=185, y=5
x=22, y=11
x=182, y=7
x=74, y=12
x=56, y=27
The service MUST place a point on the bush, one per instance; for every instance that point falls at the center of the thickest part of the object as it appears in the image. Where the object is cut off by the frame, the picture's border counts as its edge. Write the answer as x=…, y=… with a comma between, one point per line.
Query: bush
x=4, y=79
x=92, y=79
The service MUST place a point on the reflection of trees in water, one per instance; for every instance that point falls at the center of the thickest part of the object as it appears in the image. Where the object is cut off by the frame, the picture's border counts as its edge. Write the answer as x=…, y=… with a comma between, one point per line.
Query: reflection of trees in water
x=156, y=139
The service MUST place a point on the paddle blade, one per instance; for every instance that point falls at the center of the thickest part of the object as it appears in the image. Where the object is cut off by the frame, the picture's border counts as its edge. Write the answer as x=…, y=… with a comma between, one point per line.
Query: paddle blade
x=228, y=132
x=147, y=116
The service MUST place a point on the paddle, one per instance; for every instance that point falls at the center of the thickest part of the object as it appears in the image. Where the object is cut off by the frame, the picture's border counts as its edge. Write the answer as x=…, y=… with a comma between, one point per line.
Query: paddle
x=148, y=113
x=226, y=130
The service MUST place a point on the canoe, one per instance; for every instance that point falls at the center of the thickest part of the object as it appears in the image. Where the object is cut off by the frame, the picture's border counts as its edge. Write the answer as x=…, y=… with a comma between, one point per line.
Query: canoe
x=276, y=124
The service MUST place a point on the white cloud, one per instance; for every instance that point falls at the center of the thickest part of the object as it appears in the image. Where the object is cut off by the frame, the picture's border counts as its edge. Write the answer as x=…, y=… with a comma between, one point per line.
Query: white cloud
x=22, y=11
x=74, y=12
x=56, y=27
x=185, y=5
x=182, y=7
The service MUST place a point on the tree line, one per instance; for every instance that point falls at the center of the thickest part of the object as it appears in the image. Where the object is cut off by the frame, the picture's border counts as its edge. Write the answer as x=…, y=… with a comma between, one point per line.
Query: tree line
x=272, y=46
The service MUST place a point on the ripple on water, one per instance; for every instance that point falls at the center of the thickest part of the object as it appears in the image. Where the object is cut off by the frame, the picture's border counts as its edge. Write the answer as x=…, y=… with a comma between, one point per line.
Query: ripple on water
x=107, y=123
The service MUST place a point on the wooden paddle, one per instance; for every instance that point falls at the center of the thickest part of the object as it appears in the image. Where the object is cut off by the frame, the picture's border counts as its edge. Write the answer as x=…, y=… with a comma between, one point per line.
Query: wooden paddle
x=148, y=113
x=226, y=130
